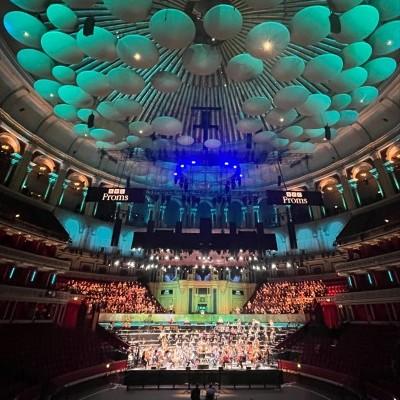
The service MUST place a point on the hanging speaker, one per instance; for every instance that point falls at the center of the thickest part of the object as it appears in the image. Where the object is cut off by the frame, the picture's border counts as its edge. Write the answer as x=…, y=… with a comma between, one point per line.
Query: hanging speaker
x=90, y=122
x=292, y=235
x=128, y=182
x=328, y=133
x=116, y=232
x=279, y=180
x=336, y=26
x=249, y=140
x=88, y=26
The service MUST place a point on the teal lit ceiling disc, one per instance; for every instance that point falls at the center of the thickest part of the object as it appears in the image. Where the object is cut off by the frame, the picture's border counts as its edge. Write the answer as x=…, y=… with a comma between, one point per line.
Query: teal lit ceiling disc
x=61, y=47
x=31, y=5
x=35, y=62
x=356, y=54
x=386, y=39
x=62, y=17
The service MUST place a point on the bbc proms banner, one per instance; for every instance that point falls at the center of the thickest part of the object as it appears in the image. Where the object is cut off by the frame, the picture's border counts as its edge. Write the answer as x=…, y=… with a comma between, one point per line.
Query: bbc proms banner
x=128, y=195
x=294, y=197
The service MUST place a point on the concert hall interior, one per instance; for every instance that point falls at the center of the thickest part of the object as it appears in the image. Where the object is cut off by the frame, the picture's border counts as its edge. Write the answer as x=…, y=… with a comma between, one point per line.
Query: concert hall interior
x=200, y=199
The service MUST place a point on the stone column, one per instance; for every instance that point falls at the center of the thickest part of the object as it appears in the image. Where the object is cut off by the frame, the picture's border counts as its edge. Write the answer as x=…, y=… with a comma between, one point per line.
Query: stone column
x=354, y=188
x=376, y=176
x=383, y=177
x=244, y=219
x=58, y=186
x=226, y=222
x=181, y=213
x=256, y=213
x=15, y=158
x=52, y=177
x=213, y=217
x=340, y=189
x=150, y=212
x=163, y=207
x=389, y=167
x=29, y=169
x=64, y=188
x=83, y=202
x=347, y=191
x=21, y=168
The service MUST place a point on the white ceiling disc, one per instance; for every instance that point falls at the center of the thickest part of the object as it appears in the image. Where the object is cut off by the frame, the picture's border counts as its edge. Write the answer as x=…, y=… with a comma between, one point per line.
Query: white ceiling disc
x=137, y=51
x=249, y=125
x=348, y=80
x=288, y=68
x=121, y=145
x=80, y=3
x=94, y=83
x=280, y=143
x=125, y=80
x=326, y=118
x=185, y=140
x=323, y=68
x=256, y=106
x=386, y=39
x=166, y=82
x=127, y=107
x=347, y=117
x=101, y=134
x=75, y=96
x=340, y=101
x=141, y=128
x=223, y=22
x=388, y=9
x=65, y=112
x=314, y=133
x=167, y=126
x=357, y=24
x=62, y=17
x=344, y=5
x=264, y=137
x=101, y=45
x=267, y=40
x=108, y=110
x=263, y=4
x=356, y=54
x=62, y=47
x=202, y=59
x=212, y=143
x=25, y=28
x=364, y=96
x=315, y=104
x=64, y=74
x=133, y=140
x=291, y=97
x=31, y=5
x=379, y=69
x=172, y=28
x=85, y=113
x=104, y=145
x=292, y=132
x=129, y=10
x=310, y=25
x=81, y=130
x=244, y=67
x=35, y=62
x=281, y=118
x=302, y=147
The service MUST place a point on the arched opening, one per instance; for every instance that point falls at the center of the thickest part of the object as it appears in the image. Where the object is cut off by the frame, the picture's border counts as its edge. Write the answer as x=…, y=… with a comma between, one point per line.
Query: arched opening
x=368, y=189
x=8, y=146
x=37, y=183
x=73, y=196
x=171, y=215
x=235, y=213
x=267, y=214
x=332, y=198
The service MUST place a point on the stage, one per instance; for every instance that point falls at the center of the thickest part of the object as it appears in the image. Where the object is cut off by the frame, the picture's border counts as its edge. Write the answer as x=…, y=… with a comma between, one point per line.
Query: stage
x=220, y=377
x=159, y=319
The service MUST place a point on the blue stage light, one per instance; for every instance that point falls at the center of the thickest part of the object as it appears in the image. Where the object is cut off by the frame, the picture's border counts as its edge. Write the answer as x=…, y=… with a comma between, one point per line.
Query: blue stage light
x=175, y=173
x=193, y=162
x=235, y=166
x=226, y=163
x=241, y=175
x=182, y=165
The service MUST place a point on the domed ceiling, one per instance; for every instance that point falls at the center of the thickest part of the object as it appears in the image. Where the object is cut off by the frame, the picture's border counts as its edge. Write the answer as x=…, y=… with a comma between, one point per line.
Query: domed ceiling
x=170, y=80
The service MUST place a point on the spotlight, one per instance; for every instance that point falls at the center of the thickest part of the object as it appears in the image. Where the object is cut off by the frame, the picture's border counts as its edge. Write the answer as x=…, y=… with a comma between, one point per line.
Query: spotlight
x=193, y=162
x=235, y=166
x=88, y=26
x=182, y=165
x=226, y=163
x=175, y=174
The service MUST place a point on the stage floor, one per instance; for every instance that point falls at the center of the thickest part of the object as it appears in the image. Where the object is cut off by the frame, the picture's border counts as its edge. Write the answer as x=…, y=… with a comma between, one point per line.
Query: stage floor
x=290, y=391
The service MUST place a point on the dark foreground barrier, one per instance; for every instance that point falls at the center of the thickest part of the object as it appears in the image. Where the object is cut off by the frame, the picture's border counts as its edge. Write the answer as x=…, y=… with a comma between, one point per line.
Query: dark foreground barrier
x=165, y=378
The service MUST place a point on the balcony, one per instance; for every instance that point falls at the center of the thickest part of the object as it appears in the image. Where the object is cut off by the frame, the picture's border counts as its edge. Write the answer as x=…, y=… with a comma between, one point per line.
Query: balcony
x=363, y=265
x=24, y=258
x=369, y=297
